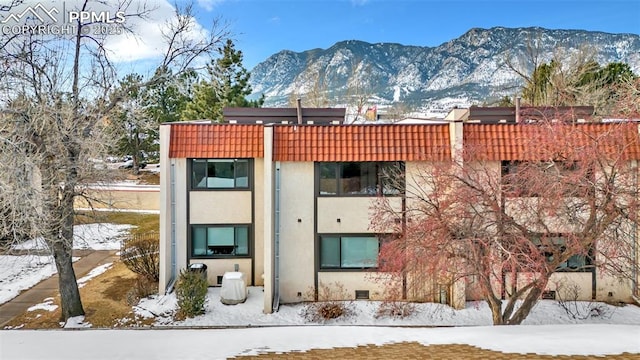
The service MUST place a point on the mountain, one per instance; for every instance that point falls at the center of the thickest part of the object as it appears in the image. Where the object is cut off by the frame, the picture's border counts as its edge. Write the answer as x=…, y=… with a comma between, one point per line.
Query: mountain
x=469, y=69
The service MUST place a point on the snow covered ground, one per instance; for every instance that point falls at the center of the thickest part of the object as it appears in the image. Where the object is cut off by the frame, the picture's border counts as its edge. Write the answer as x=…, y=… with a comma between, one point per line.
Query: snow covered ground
x=597, y=328
x=249, y=313
x=200, y=344
x=18, y=273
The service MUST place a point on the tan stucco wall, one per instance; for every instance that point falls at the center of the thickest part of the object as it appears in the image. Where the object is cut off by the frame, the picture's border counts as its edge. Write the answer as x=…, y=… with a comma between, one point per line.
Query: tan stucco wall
x=349, y=282
x=297, y=241
x=217, y=267
x=355, y=214
x=259, y=218
x=621, y=290
x=220, y=207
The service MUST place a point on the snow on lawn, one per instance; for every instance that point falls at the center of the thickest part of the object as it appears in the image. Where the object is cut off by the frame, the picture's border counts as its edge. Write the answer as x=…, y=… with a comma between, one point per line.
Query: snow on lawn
x=615, y=330
x=22, y=272
x=225, y=343
x=93, y=273
x=18, y=273
x=249, y=313
x=47, y=305
x=97, y=236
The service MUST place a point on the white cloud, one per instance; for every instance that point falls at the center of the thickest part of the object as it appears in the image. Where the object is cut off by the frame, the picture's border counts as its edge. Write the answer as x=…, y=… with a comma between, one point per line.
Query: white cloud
x=208, y=4
x=147, y=42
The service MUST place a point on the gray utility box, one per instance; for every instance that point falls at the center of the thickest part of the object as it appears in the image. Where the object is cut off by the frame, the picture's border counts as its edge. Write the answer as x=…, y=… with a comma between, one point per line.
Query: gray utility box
x=199, y=268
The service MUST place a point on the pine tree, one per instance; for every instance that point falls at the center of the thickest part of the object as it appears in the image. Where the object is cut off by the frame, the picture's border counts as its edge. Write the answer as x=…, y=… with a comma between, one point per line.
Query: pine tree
x=228, y=86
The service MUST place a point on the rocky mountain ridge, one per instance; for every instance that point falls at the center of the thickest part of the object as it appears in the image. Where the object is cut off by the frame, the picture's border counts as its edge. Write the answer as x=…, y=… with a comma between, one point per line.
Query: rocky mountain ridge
x=469, y=69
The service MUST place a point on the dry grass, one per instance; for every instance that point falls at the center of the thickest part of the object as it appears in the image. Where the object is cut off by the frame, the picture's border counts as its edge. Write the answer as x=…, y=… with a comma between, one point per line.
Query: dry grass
x=104, y=299
x=145, y=177
x=413, y=350
x=143, y=222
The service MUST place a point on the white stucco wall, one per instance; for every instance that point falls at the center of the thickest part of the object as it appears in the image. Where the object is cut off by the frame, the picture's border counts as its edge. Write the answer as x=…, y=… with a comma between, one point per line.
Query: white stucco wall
x=166, y=221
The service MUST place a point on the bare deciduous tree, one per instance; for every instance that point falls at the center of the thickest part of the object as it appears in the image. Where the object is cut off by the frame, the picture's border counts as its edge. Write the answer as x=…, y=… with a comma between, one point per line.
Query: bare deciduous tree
x=58, y=94
x=504, y=229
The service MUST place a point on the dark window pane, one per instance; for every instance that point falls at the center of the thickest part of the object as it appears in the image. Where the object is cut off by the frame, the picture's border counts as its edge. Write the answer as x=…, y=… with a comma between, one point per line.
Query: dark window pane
x=328, y=179
x=220, y=240
x=199, y=241
x=350, y=178
x=242, y=173
x=242, y=241
x=391, y=176
x=330, y=252
x=221, y=174
x=199, y=174
x=368, y=178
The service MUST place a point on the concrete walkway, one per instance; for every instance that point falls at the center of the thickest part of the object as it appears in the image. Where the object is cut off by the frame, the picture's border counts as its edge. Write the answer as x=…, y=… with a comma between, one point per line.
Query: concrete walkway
x=89, y=259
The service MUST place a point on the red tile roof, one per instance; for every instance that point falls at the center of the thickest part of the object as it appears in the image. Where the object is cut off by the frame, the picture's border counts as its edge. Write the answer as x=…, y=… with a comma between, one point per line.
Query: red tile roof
x=361, y=143
x=524, y=141
x=394, y=142
x=216, y=141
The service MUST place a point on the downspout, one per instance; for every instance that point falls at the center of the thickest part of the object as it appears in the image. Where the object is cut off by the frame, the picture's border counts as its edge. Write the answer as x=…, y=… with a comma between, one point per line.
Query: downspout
x=172, y=193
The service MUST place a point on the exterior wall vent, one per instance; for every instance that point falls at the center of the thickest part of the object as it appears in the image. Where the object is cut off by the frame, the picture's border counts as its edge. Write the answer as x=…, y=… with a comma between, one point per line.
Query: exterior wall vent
x=362, y=294
x=219, y=279
x=549, y=295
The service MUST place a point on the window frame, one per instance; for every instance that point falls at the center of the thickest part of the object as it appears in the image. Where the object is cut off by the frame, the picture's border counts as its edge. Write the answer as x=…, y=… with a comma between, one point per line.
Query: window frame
x=341, y=268
x=508, y=167
x=589, y=258
x=339, y=180
x=191, y=174
x=193, y=227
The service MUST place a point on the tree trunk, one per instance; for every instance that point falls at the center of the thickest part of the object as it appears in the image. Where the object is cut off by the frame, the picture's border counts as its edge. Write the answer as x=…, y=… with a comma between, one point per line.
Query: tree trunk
x=71, y=304
x=59, y=238
x=496, y=310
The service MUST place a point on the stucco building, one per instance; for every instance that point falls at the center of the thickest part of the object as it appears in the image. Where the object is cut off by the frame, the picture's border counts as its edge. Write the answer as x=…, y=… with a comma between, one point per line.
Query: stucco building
x=290, y=205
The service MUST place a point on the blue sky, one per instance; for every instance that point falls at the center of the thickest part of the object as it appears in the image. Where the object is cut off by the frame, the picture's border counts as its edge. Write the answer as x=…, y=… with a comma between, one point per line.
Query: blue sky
x=264, y=27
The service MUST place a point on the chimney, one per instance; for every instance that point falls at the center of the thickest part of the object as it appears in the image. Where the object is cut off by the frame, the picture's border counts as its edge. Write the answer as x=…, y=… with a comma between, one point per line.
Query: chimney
x=299, y=108
x=517, y=110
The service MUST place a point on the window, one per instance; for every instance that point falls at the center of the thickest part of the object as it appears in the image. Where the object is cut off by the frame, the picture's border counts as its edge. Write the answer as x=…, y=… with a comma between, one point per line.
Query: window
x=556, y=246
x=360, y=178
x=348, y=252
x=220, y=173
x=551, y=178
x=220, y=241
